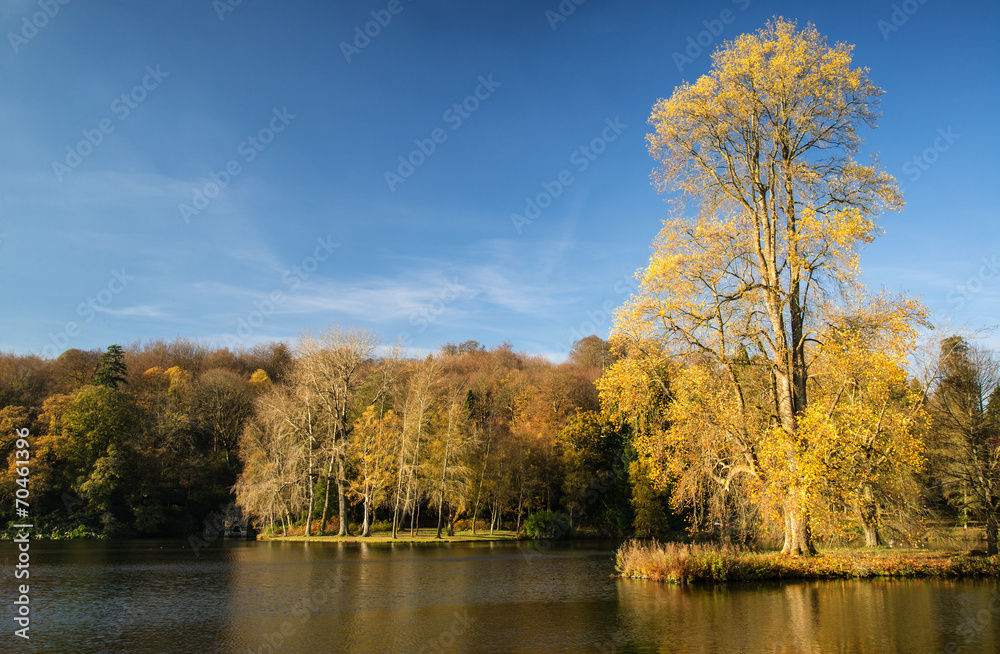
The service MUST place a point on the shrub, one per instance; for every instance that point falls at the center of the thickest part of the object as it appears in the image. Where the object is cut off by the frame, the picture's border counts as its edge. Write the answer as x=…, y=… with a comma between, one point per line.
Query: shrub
x=548, y=525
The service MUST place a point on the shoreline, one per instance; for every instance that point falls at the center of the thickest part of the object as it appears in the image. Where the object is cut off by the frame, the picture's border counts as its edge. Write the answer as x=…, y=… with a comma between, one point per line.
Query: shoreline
x=685, y=564
x=402, y=537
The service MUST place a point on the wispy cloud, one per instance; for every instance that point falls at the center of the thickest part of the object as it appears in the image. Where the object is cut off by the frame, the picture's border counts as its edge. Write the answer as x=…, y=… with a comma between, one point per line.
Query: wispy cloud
x=141, y=311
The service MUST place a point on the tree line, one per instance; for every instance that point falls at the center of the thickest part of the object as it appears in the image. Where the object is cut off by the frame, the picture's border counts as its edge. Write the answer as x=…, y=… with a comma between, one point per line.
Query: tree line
x=336, y=433
x=340, y=432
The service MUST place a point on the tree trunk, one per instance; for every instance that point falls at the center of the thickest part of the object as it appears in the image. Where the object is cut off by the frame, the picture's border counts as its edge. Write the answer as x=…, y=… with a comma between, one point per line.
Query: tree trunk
x=341, y=498
x=396, y=517
x=482, y=478
x=444, y=473
x=798, y=539
x=991, y=532
x=364, y=523
x=867, y=512
x=326, y=499
x=312, y=499
x=440, y=519
x=415, y=516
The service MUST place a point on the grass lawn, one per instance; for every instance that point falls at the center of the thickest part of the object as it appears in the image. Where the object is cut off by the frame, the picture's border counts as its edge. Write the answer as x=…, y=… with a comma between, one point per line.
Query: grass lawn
x=680, y=564
x=423, y=536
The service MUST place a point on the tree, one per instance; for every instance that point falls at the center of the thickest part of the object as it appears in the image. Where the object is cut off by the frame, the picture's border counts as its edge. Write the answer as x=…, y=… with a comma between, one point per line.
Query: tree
x=762, y=147
x=867, y=421
x=111, y=371
x=332, y=368
x=74, y=368
x=965, y=411
x=373, y=454
x=274, y=455
x=449, y=447
x=222, y=403
x=592, y=352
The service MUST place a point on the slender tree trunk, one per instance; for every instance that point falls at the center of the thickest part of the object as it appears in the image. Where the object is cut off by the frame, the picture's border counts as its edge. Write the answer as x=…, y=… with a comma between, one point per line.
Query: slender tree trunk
x=309, y=475
x=991, y=532
x=520, y=504
x=415, y=516
x=364, y=523
x=312, y=498
x=341, y=497
x=396, y=517
x=482, y=477
x=326, y=497
x=444, y=472
x=413, y=481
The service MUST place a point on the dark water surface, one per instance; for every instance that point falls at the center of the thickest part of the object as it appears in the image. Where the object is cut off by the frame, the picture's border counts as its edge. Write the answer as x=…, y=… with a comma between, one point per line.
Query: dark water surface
x=157, y=596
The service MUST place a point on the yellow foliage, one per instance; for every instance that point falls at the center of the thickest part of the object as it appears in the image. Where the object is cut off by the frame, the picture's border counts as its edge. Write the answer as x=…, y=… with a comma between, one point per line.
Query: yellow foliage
x=259, y=381
x=738, y=319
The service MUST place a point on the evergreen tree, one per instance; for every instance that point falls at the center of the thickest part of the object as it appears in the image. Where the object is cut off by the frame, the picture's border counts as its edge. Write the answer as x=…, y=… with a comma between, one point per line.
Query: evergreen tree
x=111, y=370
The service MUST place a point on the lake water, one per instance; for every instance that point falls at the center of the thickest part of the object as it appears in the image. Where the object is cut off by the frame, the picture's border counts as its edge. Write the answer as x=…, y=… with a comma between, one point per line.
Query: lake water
x=157, y=596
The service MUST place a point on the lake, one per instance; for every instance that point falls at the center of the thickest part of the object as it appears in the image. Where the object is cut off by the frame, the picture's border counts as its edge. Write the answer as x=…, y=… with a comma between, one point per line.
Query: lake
x=158, y=596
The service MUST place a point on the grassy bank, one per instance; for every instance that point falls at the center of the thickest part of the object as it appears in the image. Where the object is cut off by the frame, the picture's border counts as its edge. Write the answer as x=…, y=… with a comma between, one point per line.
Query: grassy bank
x=423, y=536
x=680, y=564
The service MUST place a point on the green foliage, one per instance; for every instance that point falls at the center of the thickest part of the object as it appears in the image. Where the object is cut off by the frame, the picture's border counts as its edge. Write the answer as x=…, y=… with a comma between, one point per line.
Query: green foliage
x=648, y=504
x=111, y=371
x=547, y=525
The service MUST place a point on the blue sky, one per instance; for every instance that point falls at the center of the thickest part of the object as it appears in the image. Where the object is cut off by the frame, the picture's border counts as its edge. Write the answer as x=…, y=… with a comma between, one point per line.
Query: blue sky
x=240, y=173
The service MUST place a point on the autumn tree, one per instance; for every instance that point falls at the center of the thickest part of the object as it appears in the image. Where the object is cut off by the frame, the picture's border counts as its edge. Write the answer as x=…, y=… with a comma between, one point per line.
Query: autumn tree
x=274, y=483
x=762, y=149
x=448, y=450
x=418, y=403
x=866, y=421
x=332, y=368
x=222, y=403
x=965, y=431
x=374, y=460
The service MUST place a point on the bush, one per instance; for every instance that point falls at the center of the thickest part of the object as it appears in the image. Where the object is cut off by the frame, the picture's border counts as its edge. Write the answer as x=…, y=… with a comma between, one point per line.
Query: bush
x=678, y=563
x=547, y=525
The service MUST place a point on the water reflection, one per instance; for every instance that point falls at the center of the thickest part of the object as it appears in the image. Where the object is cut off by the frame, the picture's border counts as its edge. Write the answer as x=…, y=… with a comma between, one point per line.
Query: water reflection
x=828, y=616
x=143, y=596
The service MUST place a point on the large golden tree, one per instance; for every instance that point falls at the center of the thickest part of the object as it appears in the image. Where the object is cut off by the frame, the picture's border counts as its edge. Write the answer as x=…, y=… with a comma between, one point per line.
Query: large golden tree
x=770, y=207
